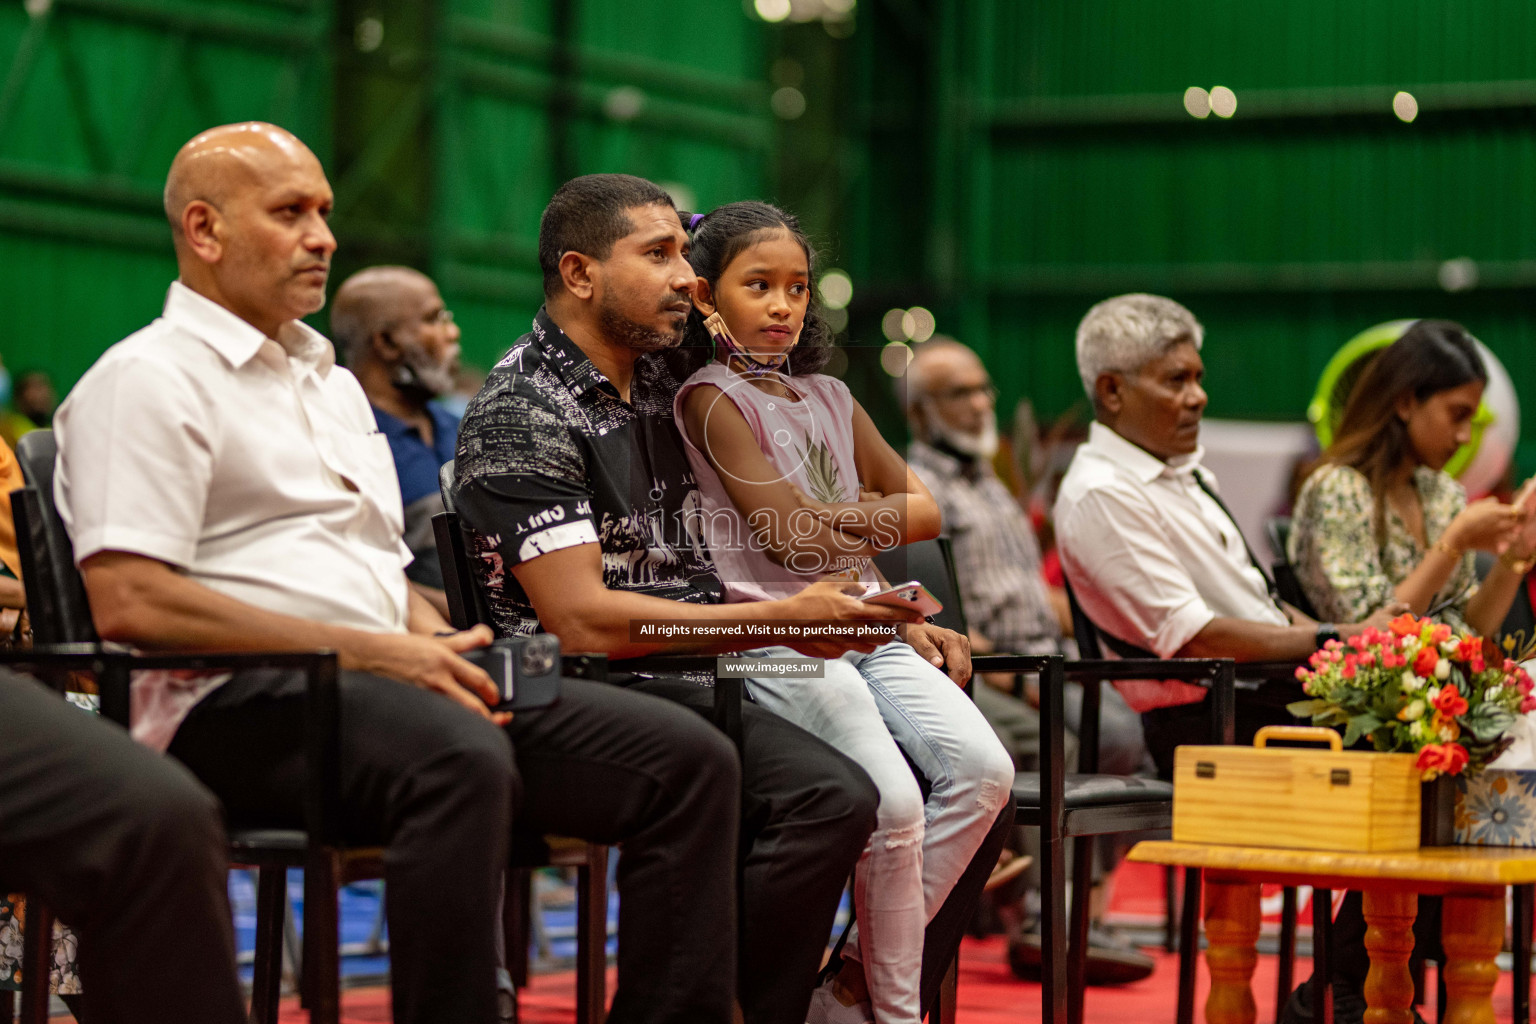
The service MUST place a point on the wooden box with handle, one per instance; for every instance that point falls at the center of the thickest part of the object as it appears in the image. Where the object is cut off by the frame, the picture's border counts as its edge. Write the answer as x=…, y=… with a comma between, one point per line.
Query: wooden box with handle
x=1296, y=797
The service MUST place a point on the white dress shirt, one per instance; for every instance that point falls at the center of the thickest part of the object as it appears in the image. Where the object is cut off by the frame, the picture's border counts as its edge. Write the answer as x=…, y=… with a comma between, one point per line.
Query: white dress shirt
x=1152, y=558
x=253, y=465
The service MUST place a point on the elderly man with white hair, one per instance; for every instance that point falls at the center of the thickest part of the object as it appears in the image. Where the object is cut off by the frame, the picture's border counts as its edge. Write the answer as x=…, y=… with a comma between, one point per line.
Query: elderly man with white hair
x=1158, y=564
x=1155, y=558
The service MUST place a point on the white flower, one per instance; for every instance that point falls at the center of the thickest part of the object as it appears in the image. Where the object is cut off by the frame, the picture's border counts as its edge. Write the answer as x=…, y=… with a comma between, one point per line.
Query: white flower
x=1420, y=730
x=1431, y=694
x=1446, y=734
x=1492, y=693
x=1413, y=712
x=1409, y=643
x=1442, y=670
x=1411, y=682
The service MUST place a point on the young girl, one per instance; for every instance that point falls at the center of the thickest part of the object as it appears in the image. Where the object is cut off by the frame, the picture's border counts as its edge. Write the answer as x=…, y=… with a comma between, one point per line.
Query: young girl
x=798, y=485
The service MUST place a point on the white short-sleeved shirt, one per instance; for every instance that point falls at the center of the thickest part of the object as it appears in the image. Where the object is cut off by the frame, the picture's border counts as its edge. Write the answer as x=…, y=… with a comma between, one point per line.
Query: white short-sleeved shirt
x=1151, y=557
x=254, y=465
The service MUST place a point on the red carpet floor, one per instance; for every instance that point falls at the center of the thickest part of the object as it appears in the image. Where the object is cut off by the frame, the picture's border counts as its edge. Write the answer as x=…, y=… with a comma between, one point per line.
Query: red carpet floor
x=989, y=994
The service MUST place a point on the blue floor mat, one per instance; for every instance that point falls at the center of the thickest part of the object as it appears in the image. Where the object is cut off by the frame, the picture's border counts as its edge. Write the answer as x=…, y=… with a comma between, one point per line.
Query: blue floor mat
x=360, y=903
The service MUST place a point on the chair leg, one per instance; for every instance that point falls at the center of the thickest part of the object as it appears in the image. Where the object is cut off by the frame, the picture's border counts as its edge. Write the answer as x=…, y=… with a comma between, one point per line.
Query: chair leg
x=1322, y=953
x=1189, y=947
x=1170, y=908
x=1285, y=974
x=1077, y=938
x=1524, y=921
x=592, y=936
x=267, y=977
x=36, y=957
x=1053, y=929
x=322, y=951
x=945, y=1005
x=518, y=924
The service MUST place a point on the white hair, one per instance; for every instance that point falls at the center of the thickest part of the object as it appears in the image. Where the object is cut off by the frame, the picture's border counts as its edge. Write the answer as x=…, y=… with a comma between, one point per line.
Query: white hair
x=1125, y=333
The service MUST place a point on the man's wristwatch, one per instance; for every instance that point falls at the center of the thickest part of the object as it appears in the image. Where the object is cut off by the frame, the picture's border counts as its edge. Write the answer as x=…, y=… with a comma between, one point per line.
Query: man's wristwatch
x=1327, y=631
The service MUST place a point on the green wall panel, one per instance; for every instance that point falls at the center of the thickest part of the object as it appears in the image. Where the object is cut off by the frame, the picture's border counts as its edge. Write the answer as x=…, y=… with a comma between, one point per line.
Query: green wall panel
x=529, y=97
x=1061, y=168
x=97, y=96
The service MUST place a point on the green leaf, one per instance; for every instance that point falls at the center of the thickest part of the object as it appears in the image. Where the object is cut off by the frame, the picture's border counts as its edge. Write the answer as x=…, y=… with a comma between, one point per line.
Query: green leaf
x=1307, y=708
x=1359, y=726
x=1487, y=721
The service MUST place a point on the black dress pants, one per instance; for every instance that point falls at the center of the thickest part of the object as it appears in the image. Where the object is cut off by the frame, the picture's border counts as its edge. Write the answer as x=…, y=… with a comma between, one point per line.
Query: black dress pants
x=806, y=813
x=124, y=846
x=437, y=787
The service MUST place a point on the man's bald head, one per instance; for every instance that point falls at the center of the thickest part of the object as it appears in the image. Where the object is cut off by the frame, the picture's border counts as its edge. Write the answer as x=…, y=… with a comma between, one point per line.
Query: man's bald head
x=217, y=163
x=370, y=302
x=933, y=363
x=249, y=205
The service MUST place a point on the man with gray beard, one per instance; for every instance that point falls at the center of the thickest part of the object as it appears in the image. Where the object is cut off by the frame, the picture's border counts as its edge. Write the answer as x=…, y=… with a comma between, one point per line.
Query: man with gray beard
x=951, y=407
x=401, y=343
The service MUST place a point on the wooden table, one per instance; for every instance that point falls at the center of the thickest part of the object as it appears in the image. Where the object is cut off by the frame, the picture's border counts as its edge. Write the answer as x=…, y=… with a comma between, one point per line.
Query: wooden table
x=1471, y=878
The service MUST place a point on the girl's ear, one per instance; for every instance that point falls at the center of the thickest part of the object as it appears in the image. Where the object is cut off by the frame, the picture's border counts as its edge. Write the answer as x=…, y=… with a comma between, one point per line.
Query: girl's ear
x=1405, y=407
x=703, y=297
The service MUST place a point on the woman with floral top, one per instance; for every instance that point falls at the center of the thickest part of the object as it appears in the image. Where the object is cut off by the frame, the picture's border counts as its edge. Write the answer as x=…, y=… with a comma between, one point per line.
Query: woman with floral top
x=1380, y=520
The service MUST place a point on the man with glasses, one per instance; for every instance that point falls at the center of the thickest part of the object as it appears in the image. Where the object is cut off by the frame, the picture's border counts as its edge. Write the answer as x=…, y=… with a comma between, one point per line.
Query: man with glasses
x=951, y=407
x=403, y=346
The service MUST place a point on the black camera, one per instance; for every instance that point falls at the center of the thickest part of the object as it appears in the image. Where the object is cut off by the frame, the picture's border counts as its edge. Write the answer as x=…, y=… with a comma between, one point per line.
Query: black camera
x=526, y=669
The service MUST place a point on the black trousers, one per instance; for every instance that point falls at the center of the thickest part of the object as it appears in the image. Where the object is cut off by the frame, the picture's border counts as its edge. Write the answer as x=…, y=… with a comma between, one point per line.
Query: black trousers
x=124, y=846
x=438, y=787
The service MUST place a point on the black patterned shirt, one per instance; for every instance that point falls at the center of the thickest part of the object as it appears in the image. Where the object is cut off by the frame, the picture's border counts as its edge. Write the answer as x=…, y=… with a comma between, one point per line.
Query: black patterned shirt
x=550, y=457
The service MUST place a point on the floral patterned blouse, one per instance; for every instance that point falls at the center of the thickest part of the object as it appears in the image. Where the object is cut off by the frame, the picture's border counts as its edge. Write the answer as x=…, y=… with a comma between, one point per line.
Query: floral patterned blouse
x=1345, y=573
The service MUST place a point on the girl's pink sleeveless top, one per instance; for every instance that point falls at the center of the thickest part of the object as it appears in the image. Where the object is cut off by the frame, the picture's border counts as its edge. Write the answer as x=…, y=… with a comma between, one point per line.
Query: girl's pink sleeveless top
x=810, y=442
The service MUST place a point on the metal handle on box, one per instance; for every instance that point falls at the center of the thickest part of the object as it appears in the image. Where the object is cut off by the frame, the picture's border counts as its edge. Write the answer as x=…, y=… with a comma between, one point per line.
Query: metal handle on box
x=1298, y=732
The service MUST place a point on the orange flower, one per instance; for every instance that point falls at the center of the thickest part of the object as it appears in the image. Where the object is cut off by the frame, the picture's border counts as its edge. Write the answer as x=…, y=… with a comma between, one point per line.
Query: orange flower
x=1447, y=758
x=1405, y=625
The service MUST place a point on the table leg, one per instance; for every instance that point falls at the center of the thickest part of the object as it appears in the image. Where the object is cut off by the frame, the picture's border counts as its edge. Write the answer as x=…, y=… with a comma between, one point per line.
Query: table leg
x=1231, y=932
x=1389, y=940
x=1473, y=931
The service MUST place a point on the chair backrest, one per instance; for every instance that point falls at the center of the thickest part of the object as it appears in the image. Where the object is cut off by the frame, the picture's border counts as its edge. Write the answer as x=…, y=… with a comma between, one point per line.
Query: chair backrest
x=466, y=605
x=931, y=563
x=57, y=602
x=1287, y=584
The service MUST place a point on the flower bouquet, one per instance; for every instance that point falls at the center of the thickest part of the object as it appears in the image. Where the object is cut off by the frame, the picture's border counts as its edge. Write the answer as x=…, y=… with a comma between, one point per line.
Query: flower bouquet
x=1418, y=687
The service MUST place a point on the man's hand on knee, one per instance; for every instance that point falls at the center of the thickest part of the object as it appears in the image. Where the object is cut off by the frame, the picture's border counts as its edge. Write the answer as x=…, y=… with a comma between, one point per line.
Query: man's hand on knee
x=432, y=663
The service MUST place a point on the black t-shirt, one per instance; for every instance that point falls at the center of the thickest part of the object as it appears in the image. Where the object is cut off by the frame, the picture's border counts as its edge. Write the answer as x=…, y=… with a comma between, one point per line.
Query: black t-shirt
x=550, y=456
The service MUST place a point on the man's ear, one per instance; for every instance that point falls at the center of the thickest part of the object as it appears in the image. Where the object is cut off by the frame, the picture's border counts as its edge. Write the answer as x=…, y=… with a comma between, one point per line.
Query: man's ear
x=703, y=297
x=385, y=348
x=579, y=272
x=203, y=227
x=1109, y=392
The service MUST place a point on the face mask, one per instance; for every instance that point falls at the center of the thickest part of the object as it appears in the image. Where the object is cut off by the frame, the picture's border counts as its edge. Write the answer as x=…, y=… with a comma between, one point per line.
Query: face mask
x=753, y=363
x=981, y=445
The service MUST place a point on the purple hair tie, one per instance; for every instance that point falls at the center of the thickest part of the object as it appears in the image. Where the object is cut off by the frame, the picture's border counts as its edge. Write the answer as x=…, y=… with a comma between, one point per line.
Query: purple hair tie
x=693, y=221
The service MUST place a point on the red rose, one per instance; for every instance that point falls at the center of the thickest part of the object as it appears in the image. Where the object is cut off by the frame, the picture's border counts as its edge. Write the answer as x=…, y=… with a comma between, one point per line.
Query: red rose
x=1447, y=758
x=1426, y=660
x=1449, y=702
x=1470, y=649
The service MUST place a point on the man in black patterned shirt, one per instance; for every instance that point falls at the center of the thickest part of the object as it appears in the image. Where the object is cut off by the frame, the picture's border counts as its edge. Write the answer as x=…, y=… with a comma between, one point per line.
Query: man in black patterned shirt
x=574, y=486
